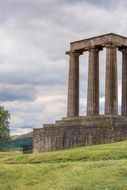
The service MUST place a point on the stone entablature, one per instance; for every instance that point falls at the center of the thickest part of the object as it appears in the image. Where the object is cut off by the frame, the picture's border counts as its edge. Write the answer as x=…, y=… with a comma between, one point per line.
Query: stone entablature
x=102, y=40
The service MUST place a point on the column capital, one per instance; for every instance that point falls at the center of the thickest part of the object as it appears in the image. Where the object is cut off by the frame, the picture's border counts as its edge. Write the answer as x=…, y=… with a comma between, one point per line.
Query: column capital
x=111, y=46
x=75, y=53
x=122, y=49
x=95, y=48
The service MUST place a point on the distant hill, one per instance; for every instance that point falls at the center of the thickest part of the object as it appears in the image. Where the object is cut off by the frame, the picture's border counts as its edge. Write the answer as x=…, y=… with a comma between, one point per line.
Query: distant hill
x=17, y=142
x=14, y=137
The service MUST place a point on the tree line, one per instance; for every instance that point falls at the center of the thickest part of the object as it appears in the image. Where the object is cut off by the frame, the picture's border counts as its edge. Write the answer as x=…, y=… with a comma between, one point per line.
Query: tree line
x=4, y=125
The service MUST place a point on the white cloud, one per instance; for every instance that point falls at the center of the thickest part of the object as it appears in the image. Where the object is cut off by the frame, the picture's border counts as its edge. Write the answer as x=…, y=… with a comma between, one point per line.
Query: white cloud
x=49, y=105
x=34, y=36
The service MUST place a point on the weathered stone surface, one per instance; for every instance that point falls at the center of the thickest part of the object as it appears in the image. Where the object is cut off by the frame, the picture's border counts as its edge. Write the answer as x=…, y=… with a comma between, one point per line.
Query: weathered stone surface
x=93, y=82
x=73, y=85
x=124, y=82
x=110, y=38
x=79, y=131
x=111, y=87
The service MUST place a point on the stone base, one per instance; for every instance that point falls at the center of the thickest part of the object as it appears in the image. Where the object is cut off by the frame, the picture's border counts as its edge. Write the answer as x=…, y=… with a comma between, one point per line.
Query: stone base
x=79, y=131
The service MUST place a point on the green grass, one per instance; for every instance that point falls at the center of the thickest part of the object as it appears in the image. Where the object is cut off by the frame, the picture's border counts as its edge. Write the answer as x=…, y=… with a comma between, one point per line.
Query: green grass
x=113, y=151
x=99, y=167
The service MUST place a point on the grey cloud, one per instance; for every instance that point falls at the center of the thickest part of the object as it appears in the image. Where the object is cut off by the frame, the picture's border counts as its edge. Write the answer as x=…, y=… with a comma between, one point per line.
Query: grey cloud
x=27, y=9
x=41, y=77
x=105, y=4
x=34, y=36
x=16, y=93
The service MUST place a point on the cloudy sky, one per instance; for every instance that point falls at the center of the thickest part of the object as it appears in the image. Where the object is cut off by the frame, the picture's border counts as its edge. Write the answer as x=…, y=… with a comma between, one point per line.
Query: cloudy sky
x=34, y=35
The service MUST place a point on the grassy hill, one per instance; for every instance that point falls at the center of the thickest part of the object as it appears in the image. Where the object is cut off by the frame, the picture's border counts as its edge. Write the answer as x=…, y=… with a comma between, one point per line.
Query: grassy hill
x=98, y=167
x=27, y=135
x=17, y=142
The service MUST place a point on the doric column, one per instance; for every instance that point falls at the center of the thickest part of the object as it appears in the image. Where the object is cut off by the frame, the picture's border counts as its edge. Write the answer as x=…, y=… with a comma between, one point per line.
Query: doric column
x=93, y=82
x=124, y=82
x=73, y=85
x=111, y=86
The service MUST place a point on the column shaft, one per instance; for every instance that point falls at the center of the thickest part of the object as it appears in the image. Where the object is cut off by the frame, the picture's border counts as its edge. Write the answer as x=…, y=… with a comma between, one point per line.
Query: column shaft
x=73, y=85
x=93, y=83
x=111, y=87
x=124, y=82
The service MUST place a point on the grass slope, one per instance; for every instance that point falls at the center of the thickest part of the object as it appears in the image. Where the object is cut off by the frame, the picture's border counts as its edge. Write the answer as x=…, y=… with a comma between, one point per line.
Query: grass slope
x=99, y=167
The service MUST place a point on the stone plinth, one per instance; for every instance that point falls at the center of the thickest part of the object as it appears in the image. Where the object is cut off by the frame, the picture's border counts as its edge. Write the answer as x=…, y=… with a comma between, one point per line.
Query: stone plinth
x=79, y=131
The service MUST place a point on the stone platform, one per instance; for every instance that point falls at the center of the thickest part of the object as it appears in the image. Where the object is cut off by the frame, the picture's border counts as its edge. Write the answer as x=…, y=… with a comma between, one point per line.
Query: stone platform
x=78, y=131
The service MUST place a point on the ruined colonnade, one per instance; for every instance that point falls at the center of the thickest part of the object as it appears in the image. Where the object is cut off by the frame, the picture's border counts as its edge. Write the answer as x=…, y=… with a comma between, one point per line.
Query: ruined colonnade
x=72, y=131
x=111, y=80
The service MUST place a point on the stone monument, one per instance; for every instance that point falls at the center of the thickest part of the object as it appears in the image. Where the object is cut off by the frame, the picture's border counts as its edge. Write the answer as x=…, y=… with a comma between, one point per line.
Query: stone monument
x=75, y=130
